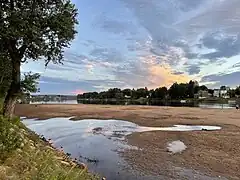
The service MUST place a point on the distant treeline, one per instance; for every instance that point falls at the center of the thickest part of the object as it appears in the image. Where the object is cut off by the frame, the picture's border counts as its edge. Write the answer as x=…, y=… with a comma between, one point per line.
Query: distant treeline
x=176, y=91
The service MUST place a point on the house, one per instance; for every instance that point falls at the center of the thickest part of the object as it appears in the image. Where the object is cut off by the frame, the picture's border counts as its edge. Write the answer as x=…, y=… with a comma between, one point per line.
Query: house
x=203, y=94
x=216, y=93
x=224, y=94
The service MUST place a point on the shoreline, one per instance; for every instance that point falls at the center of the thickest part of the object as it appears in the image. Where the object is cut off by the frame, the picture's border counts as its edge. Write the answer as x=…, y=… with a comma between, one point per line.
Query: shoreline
x=29, y=155
x=215, y=153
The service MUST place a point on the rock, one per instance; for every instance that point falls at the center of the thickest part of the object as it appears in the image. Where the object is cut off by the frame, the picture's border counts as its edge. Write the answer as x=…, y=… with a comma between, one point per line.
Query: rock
x=19, y=151
x=82, y=165
x=32, y=147
x=22, y=145
x=65, y=163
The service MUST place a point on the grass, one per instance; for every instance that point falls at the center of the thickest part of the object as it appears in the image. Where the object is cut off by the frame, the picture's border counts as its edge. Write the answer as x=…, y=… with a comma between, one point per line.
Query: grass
x=23, y=156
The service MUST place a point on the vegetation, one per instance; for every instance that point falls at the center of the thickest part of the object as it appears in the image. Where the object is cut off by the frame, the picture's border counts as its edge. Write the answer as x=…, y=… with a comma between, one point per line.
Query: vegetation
x=177, y=91
x=32, y=30
x=23, y=155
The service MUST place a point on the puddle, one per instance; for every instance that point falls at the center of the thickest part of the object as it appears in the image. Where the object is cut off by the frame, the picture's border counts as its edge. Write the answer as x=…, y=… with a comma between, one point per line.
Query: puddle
x=182, y=128
x=97, y=142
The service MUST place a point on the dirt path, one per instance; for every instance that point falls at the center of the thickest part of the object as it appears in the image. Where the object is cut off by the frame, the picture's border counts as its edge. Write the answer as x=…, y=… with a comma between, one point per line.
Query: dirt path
x=216, y=153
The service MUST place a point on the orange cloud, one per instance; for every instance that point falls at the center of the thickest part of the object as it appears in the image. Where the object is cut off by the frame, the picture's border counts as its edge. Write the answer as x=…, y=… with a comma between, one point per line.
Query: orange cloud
x=162, y=74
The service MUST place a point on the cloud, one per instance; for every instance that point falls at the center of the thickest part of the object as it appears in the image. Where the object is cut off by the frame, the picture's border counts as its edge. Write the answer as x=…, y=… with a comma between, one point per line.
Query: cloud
x=115, y=26
x=225, y=45
x=147, y=72
x=231, y=79
x=193, y=69
x=106, y=54
x=150, y=43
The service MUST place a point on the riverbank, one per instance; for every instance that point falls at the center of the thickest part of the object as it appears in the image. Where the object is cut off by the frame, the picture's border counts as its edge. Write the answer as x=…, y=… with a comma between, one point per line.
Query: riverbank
x=24, y=155
x=188, y=102
x=213, y=153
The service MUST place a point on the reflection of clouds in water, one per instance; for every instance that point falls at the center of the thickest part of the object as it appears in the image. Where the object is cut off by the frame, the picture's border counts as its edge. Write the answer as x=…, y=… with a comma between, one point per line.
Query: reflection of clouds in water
x=78, y=139
x=180, y=128
x=86, y=128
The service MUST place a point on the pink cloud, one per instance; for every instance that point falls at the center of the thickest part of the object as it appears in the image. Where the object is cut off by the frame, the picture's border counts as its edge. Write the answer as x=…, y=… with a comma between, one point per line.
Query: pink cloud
x=78, y=91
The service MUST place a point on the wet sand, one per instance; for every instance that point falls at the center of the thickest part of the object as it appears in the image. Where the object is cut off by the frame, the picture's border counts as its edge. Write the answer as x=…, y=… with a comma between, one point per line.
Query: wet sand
x=213, y=153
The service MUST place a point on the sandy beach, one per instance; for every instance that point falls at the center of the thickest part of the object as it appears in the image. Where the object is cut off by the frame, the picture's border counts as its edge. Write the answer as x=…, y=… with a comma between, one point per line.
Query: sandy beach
x=215, y=153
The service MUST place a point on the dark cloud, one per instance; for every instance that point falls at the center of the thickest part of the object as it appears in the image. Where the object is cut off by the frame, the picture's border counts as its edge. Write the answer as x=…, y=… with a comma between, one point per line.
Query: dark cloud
x=226, y=46
x=193, y=69
x=226, y=79
x=178, y=73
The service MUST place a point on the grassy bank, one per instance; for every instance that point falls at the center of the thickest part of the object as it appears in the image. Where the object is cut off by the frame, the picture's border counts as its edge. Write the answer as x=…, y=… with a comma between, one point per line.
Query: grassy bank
x=23, y=155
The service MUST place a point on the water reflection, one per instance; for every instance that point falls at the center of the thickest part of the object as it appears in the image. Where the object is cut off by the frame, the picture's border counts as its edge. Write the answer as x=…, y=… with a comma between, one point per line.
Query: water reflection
x=150, y=103
x=160, y=103
x=54, y=102
x=97, y=142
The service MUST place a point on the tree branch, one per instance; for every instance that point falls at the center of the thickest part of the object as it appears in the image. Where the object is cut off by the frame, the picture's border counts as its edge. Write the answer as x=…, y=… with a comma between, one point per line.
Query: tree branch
x=21, y=51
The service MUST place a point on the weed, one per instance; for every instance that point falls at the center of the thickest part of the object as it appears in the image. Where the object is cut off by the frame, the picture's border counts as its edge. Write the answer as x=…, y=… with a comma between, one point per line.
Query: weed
x=10, y=139
x=23, y=155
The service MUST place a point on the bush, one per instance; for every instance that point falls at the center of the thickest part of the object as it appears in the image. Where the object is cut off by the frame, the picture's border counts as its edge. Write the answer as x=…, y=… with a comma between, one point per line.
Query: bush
x=10, y=139
x=1, y=105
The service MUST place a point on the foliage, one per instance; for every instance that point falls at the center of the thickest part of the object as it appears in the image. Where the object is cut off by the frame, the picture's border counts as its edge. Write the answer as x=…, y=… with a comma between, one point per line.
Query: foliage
x=232, y=93
x=10, y=139
x=127, y=92
x=29, y=84
x=32, y=30
x=160, y=93
x=178, y=91
x=211, y=91
x=37, y=29
x=5, y=75
x=175, y=92
x=33, y=158
x=237, y=91
x=203, y=88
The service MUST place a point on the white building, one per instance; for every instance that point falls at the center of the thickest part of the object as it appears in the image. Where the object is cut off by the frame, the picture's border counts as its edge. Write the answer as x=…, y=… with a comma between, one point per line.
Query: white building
x=216, y=93
x=224, y=94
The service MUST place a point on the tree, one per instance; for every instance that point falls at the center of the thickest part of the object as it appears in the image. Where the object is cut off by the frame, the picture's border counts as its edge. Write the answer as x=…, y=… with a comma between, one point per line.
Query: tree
x=231, y=93
x=127, y=92
x=237, y=91
x=191, y=88
x=160, y=92
x=223, y=88
x=178, y=91
x=211, y=91
x=141, y=92
x=29, y=84
x=203, y=88
x=5, y=75
x=33, y=30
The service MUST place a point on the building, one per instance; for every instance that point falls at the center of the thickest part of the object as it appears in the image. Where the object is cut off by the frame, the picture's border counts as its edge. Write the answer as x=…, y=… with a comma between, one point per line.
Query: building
x=221, y=93
x=224, y=94
x=203, y=94
x=216, y=93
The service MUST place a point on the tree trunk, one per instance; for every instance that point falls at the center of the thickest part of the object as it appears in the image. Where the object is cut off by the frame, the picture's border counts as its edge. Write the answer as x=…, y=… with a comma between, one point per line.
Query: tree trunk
x=14, y=90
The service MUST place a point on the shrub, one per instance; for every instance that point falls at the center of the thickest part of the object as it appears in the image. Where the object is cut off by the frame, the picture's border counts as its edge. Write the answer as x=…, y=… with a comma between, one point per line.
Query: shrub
x=10, y=139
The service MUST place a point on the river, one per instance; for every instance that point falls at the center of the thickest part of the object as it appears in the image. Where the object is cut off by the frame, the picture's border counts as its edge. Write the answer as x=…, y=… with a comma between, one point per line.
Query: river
x=173, y=104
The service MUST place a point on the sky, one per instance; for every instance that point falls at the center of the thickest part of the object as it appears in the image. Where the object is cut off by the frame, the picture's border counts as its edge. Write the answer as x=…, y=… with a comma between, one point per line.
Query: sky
x=147, y=43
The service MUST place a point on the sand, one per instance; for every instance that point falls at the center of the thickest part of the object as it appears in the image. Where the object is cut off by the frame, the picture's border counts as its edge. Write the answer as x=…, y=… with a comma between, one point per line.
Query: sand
x=215, y=153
